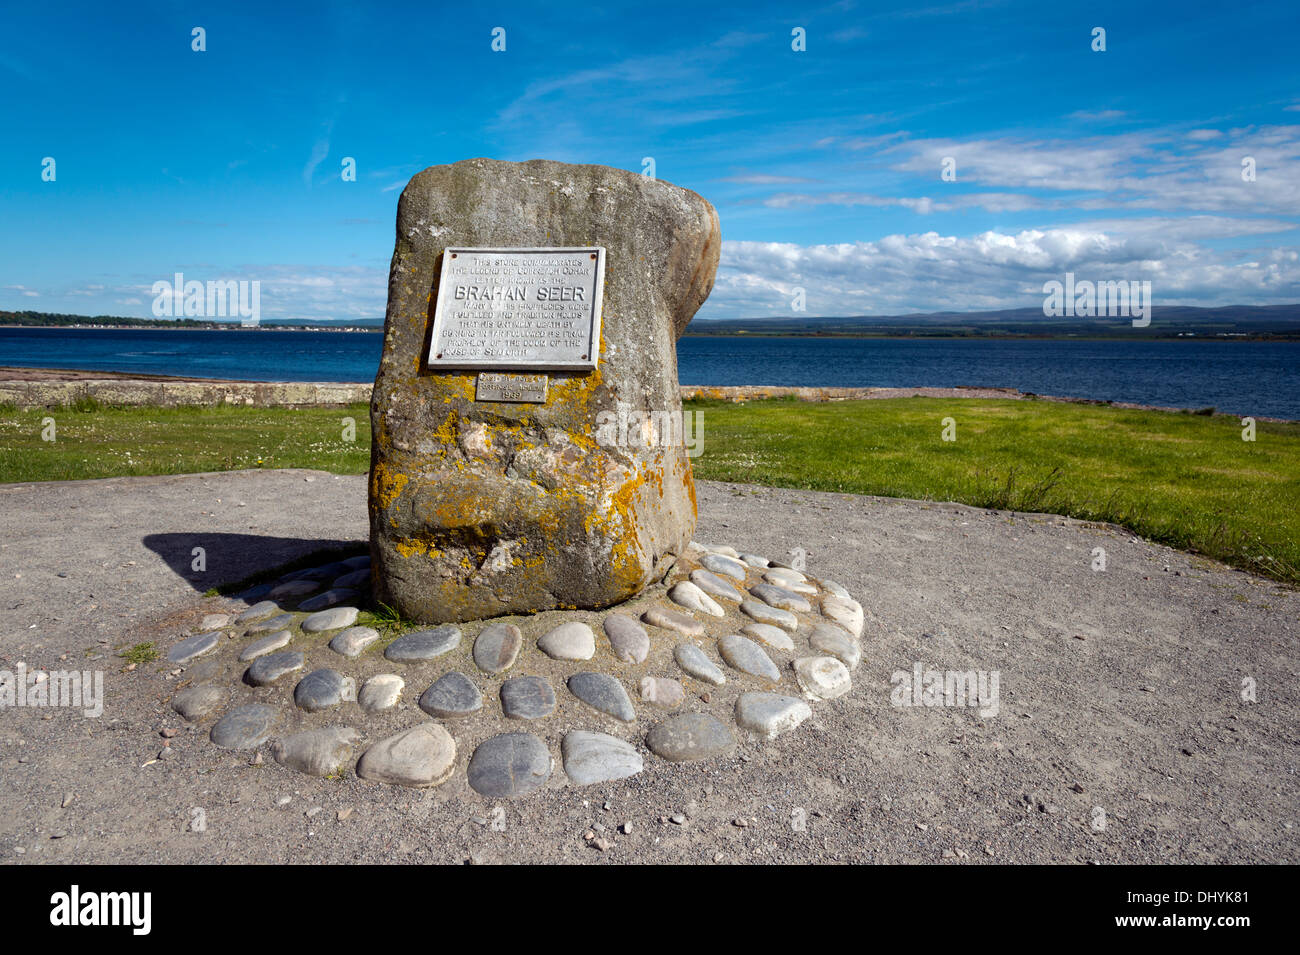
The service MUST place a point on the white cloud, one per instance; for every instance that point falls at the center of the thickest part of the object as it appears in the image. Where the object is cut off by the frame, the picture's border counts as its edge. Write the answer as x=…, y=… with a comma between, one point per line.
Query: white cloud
x=928, y=272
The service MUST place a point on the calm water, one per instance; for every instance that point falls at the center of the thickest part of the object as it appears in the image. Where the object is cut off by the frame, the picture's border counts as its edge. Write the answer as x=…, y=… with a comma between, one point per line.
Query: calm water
x=1260, y=378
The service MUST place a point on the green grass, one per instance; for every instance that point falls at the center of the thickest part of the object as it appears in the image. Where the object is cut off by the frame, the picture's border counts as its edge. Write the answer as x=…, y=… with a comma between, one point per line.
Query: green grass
x=1187, y=480
x=96, y=441
x=140, y=654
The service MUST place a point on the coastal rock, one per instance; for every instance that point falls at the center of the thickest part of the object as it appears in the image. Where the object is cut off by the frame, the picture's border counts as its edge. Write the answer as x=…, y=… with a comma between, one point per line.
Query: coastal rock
x=690, y=736
x=497, y=647
x=591, y=758
x=748, y=657
x=265, y=645
x=423, y=645
x=822, y=678
x=509, y=765
x=424, y=755
x=692, y=659
x=381, y=692
x=627, y=638
x=769, y=714
x=192, y=647
x=481, y=509
x=686, y=594
x=352, y=641
x=246, y=727
x=318, y=752
x=673, y=620
x=451, y=695
x=604, y=693
x=569, y=641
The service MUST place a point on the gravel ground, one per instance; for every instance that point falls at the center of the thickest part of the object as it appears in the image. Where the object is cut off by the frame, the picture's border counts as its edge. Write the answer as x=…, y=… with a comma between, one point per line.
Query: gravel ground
x=1121, y=734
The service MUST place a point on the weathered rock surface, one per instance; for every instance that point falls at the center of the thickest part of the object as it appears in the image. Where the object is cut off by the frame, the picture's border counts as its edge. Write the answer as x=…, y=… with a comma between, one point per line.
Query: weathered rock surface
x=245, y=727
x=770, y=714
x=627, y=638
x=597, y=758
x=424, y=755
x=497, y=647
x=512, y=764
x=690, y=736
x=484, y=509
x=318, y=752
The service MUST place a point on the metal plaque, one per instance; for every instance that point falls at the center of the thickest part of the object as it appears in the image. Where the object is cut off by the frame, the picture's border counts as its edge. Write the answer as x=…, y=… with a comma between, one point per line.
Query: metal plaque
x=528, y=309
x=497, y=387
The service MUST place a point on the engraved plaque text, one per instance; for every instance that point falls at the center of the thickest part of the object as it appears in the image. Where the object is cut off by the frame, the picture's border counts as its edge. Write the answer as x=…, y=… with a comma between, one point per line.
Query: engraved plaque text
x=531, y=309
x=497, y=387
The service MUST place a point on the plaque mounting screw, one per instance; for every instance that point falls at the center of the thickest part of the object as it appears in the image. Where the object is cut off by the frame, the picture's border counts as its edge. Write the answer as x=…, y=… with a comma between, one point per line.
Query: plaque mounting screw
x=593, y=255
x=439, y=355
x=453, y=255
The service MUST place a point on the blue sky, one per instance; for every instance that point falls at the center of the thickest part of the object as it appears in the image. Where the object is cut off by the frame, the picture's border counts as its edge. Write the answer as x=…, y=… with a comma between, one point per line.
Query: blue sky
x=825, y=165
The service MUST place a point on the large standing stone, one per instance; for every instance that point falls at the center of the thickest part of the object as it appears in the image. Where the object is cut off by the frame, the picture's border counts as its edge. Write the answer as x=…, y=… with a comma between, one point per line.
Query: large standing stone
x=512, y=764
x=424, y=755
x=479, y=509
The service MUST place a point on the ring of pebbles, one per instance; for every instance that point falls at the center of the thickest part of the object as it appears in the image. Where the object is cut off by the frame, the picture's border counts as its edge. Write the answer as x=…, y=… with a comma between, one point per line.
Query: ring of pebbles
x=726, y=641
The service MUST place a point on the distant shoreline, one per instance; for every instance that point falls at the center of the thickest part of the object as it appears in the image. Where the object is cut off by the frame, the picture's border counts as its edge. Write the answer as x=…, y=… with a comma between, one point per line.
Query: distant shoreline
x=918, y=335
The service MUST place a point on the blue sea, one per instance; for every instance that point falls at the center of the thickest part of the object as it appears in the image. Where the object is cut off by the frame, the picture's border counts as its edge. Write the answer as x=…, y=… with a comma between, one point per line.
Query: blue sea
x=1247, y=378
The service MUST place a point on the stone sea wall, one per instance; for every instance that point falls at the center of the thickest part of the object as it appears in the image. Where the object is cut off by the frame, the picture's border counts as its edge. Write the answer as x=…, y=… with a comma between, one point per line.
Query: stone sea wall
x=46, y=390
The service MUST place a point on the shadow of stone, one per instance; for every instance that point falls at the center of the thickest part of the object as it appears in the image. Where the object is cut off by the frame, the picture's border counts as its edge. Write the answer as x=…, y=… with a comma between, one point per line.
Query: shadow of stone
x=231, y=562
